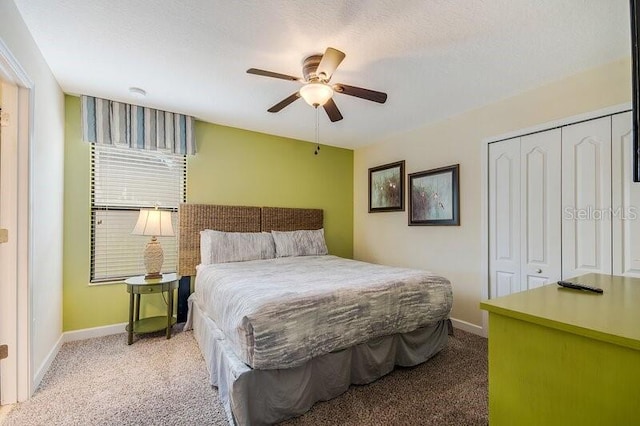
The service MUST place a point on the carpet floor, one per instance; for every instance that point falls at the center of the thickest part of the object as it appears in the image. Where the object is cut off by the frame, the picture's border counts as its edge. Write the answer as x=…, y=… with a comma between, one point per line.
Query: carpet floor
x=155, y=381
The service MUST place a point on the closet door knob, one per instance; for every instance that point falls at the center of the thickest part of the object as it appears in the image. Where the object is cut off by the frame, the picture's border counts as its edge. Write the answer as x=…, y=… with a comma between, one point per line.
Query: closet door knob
x=538, y=271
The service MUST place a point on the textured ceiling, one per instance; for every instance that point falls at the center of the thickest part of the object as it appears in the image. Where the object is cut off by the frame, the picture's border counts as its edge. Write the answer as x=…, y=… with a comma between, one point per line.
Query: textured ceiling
x=434, y=58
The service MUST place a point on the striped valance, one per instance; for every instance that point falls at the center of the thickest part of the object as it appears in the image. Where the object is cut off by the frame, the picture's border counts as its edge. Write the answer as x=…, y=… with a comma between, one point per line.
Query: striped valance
x=115, y=123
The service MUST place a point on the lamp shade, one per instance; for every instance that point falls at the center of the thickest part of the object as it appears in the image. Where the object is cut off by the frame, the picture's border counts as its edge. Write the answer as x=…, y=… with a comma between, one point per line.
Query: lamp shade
x=153, y=222
x=316, y=94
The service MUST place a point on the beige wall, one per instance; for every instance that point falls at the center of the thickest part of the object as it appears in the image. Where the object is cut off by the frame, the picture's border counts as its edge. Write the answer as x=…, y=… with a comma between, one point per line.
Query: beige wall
x=46, y=186
x=452, y=251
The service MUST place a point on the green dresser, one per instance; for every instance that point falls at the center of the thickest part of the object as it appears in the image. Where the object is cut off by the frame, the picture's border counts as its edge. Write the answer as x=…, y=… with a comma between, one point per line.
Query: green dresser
x=566, y=357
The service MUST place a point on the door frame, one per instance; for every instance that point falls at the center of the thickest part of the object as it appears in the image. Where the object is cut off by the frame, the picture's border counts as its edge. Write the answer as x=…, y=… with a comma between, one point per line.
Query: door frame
x=484, y=190
x=18, y=387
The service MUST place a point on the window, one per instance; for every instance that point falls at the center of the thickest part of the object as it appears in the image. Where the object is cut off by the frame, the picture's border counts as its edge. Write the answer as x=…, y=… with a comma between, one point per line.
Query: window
x=123, y=181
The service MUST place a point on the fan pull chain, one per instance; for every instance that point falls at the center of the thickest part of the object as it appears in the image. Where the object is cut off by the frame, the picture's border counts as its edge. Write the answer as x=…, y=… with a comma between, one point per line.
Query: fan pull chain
x=317, y=151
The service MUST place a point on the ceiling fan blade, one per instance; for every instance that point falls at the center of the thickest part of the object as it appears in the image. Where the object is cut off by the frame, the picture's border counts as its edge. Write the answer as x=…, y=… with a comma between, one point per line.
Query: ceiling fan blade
x=264, y=73
x=332, y=111
x=329, y=62
x=285, y=102
x=359, y=92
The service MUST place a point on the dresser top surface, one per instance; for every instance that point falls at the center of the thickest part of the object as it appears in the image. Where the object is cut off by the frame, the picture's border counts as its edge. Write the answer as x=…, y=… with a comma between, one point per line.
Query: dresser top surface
x=613, y=316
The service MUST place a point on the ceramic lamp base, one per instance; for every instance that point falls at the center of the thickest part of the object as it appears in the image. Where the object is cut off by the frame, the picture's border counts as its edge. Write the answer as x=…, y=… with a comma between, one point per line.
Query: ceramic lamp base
x=153, y=259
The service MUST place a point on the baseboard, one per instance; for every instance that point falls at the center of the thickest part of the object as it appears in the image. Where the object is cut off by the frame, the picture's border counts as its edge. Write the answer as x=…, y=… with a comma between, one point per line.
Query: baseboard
x=44, y=367
x=89, y=333
x=467, y=326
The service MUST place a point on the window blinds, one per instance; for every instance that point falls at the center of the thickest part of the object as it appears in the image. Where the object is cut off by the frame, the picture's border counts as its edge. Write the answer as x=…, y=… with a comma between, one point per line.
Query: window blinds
x=122, y=182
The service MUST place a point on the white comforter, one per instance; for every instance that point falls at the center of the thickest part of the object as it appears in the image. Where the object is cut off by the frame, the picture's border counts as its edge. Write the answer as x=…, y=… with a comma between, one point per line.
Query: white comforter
x=279, y=313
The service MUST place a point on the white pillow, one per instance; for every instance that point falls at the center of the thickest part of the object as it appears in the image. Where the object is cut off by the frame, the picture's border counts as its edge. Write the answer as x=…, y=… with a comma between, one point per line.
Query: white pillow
x=223, y=247
x=300, y=243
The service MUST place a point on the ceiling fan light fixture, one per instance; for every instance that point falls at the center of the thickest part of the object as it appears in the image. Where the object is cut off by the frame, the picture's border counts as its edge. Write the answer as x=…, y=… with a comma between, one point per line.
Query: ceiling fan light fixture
x=316, y=93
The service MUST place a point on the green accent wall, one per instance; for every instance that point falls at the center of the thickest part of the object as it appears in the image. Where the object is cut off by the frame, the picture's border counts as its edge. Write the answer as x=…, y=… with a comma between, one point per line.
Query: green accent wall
x=232, y=166
x=240, y=167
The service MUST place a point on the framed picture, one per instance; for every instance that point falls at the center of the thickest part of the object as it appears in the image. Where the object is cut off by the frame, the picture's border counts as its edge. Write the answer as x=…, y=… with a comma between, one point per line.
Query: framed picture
x=386, y=188
x=434, y=197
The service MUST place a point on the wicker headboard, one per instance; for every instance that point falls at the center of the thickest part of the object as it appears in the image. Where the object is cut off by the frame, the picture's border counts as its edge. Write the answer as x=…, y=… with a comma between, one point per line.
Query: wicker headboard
x=286, y=219
x=193, y=218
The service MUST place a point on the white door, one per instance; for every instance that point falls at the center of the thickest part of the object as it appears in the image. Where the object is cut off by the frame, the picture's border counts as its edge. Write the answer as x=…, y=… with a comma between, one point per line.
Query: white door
x=540, y=229
x=8, y=249
x=504, y=217
x=4, y=238
x=16, y=101
x=9, y=204
x=626, y=199
x=586, y=198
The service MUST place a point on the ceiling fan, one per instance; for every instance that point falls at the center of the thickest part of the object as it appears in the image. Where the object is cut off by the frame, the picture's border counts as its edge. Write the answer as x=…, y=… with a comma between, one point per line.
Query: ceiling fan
x=316, y=90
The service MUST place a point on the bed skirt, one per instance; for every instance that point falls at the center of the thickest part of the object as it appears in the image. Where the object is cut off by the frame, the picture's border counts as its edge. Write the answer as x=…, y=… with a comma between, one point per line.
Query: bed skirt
x=258, y=397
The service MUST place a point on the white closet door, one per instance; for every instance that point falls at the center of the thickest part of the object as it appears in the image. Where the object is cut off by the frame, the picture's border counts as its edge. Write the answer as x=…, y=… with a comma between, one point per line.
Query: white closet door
x=540, y=169
x=626, y=200
x=586, y=198
x=504, y=217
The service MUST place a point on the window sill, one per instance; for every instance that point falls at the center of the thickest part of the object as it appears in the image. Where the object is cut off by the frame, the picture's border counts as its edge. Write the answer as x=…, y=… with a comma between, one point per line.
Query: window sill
x=102, y=283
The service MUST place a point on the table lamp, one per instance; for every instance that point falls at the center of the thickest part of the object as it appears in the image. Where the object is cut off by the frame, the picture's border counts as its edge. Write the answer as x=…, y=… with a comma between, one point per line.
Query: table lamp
x=156, y=223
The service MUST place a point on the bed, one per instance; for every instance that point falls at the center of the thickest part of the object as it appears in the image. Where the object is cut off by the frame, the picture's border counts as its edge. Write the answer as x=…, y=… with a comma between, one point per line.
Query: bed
x=280, y=331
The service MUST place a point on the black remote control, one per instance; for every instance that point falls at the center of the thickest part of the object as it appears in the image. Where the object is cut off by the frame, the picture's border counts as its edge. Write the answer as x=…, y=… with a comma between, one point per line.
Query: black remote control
x=577, y=286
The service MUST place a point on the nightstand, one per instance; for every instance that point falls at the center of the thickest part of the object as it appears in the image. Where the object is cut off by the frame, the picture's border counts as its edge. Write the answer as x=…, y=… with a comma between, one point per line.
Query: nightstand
x=137, y=286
